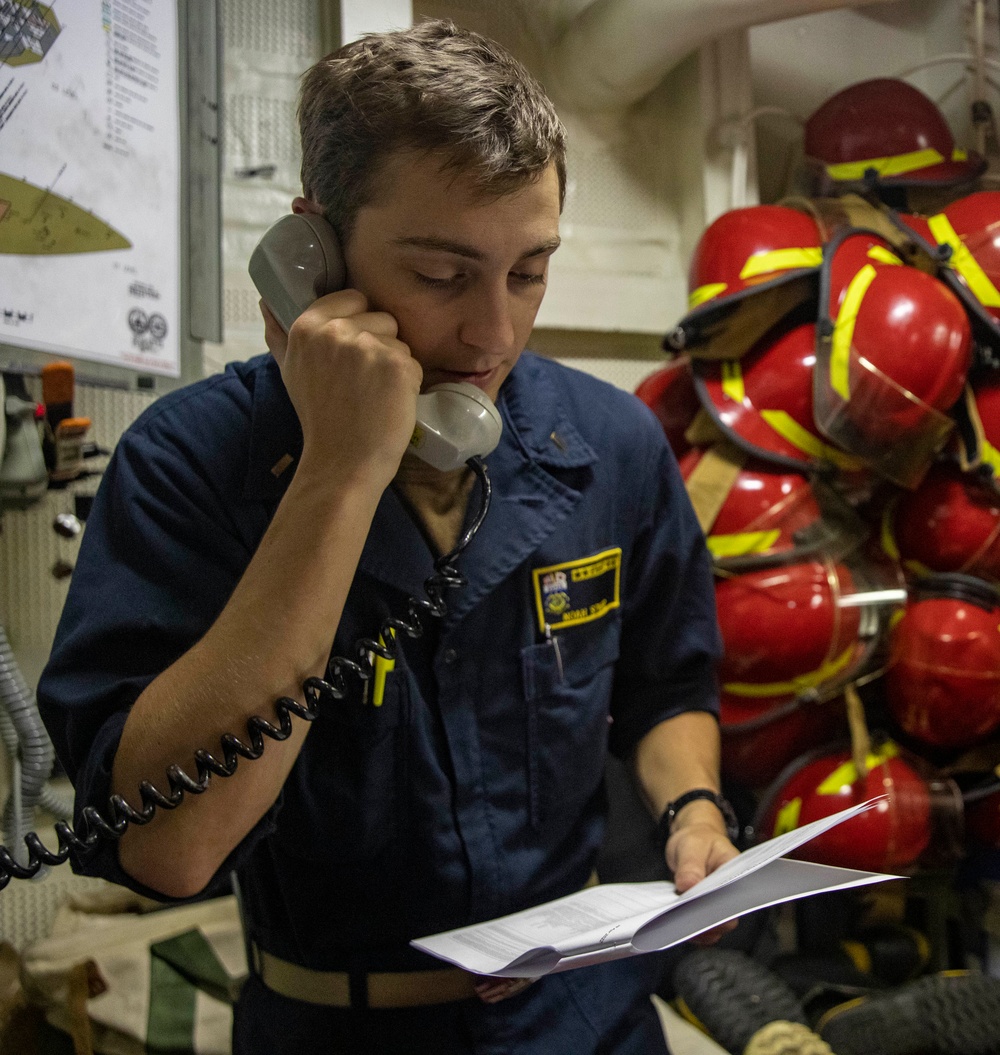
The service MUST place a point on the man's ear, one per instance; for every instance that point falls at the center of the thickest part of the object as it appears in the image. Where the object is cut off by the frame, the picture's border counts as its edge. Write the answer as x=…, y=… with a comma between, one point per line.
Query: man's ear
x=306, y=205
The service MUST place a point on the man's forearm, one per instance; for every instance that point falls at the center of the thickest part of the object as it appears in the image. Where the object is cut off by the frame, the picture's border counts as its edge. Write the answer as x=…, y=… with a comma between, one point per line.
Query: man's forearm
x=677, y=755
x=274, y=633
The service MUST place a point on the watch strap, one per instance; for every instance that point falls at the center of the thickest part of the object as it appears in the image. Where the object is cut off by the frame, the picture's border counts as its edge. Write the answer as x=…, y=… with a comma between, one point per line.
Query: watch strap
x=666, y=821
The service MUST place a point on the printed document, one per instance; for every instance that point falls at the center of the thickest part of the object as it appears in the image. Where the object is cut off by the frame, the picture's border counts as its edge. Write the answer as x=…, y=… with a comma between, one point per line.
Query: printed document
x=609, y=922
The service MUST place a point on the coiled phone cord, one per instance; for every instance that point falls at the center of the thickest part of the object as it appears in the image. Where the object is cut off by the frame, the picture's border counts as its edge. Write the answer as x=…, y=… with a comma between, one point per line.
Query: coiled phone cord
x=94, y=826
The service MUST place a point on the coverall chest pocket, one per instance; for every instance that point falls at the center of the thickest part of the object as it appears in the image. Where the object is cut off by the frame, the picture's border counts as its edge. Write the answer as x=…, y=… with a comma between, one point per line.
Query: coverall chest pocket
x=344, y=797
x=567, y=689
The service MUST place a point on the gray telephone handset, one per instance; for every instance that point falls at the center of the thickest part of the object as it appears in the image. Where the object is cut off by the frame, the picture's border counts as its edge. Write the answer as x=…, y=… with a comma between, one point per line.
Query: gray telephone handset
x=299, y=260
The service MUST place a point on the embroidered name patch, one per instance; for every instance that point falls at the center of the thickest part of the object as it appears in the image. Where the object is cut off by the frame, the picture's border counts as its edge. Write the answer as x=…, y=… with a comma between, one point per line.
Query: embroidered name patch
x=578, y=590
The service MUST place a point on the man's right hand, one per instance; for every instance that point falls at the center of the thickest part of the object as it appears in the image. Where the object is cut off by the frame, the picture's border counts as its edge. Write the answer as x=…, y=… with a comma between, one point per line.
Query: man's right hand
x=353, y=384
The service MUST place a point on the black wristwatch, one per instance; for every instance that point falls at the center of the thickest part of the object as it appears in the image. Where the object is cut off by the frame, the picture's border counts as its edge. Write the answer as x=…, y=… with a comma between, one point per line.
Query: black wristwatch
x=666, y=821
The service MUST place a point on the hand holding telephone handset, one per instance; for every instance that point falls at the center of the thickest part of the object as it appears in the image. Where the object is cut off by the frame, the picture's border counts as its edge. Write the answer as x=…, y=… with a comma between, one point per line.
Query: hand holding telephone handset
x=299, y=260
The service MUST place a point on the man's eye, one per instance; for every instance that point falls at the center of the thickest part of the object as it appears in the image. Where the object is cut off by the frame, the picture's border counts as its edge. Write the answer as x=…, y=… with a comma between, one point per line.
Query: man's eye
x=437, y=282
x=526, y=278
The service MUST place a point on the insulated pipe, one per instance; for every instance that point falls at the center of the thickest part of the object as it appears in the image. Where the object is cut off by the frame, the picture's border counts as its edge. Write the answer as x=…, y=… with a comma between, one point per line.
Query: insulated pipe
x=32, y=755
x=616, y=51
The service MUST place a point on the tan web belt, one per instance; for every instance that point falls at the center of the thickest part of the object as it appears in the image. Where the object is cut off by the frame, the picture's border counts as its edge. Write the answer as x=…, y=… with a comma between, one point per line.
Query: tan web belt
x=385, y=989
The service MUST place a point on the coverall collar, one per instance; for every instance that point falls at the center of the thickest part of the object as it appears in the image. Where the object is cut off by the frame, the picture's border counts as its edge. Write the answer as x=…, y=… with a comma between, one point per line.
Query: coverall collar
x=538, y=473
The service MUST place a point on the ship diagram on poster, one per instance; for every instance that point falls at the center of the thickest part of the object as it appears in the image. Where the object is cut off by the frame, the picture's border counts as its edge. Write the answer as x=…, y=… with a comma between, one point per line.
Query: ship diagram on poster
x=29, y=30
x=89, y=181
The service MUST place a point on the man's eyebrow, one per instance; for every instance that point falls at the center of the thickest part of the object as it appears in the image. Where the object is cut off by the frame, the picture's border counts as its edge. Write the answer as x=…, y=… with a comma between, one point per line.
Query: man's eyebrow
x=444, y=245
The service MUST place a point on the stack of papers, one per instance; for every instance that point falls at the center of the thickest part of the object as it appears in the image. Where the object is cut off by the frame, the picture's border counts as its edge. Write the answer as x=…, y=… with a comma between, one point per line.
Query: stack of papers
x=610, y=922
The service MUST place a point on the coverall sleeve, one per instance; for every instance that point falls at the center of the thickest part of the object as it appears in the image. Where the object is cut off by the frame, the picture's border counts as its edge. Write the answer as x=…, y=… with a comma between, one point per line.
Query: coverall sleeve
x=164, y=547
x=670, y=644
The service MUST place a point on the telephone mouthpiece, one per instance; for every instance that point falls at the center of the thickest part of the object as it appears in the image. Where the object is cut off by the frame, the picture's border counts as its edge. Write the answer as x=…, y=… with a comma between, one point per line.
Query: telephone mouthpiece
x=455, y=422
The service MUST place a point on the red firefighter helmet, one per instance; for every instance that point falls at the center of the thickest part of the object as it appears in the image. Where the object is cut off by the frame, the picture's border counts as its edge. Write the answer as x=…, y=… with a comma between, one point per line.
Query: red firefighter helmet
x=785, y=635
x=965, y=240
x=970, y=227
x=669, y=392
x=893, y=358
x=950, y=523
x=918, y=807
x=755, y=751
x=886, y=133
x=754, y=513
x=942, y=684
x=764, y=402
x=742, y=278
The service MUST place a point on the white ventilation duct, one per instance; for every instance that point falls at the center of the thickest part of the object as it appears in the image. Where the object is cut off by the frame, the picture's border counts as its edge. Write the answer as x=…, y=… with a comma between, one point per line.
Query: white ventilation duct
x=614, y=52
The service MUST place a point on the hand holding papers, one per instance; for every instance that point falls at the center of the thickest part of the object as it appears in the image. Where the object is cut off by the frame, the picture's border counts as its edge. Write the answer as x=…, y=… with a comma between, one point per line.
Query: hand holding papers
x=623, y=919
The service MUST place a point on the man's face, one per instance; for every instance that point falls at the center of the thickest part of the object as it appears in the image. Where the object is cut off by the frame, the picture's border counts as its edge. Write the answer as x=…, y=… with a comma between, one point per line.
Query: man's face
x=462, y=274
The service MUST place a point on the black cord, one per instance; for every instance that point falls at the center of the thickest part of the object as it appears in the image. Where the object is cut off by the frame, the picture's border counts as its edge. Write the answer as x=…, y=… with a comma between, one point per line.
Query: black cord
x=95, y=826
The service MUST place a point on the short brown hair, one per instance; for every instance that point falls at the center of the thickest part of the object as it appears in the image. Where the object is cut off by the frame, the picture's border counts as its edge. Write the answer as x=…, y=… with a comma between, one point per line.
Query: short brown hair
x=433, y=87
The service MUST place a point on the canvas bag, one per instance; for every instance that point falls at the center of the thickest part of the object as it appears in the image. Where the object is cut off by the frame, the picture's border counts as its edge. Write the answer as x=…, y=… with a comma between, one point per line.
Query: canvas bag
x=120, y=979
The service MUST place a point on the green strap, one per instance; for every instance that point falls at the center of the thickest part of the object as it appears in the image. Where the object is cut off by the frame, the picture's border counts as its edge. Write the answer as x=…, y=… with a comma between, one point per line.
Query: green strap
x=179, y=966
x=170, y=1027
x=191, y=956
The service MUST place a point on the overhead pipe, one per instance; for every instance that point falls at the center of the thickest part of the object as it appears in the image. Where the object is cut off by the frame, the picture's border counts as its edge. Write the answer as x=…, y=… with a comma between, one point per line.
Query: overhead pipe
x=616, y=51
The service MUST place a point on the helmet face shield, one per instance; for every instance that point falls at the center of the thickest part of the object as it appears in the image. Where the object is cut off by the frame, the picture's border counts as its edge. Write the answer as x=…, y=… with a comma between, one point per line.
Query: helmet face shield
x=885, y=424
x=764, y=403
x=752, y=266
x=754, y=514
x=730, y=328
x=893, y=352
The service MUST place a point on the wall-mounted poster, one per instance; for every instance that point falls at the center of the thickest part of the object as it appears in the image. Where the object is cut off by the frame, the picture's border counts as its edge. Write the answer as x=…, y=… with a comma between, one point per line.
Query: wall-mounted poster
x=90, y=181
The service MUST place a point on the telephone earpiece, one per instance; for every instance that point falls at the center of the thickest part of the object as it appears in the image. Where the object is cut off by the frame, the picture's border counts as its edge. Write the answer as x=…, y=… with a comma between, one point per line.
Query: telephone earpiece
x=299, y=260
x=296, y=262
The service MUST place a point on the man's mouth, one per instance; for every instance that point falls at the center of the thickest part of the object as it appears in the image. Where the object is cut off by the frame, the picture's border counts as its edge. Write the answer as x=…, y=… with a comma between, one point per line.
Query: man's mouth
x=481, y=378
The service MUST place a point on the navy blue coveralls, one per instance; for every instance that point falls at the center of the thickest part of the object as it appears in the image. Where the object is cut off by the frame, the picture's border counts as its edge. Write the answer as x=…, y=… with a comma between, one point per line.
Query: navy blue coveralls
x=476, y=788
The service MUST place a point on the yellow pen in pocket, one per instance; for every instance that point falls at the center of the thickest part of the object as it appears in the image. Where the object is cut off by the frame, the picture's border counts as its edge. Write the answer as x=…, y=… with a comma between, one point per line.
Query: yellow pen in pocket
x=381, y=670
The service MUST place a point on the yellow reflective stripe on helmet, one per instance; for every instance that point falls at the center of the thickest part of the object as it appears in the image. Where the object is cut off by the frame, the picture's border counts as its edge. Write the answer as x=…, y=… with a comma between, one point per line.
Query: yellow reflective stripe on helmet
x=843, y=331
x=964, y=262
x=888, y=539
x=787, y=819
x=959, y=155
x=989, y=455
x=797, y=685
x=704, y=293
x=884, y=255
x=845, y=775
x=781, y=260
x=802, y=439
x=894, y=165
x=741, y=543
x=732, y=381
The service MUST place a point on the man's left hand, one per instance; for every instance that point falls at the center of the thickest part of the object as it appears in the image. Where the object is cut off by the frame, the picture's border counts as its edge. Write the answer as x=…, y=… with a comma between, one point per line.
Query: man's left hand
x=696, y=847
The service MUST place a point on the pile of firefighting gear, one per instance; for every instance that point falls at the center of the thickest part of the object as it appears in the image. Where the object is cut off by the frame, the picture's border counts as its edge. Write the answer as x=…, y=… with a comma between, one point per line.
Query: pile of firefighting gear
x=833, y=398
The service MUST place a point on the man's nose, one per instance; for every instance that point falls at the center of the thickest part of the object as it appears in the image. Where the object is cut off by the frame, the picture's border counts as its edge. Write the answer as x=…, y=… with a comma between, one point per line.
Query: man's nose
x=488, y=320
